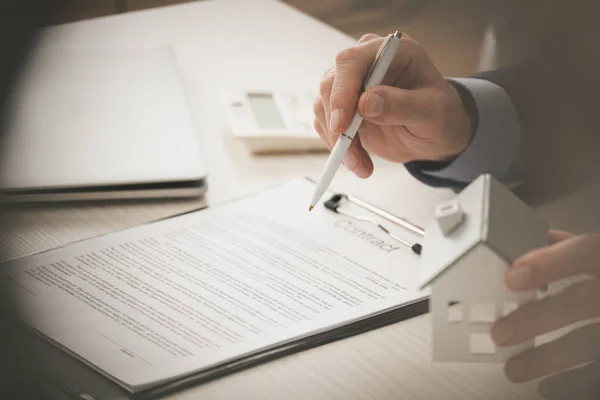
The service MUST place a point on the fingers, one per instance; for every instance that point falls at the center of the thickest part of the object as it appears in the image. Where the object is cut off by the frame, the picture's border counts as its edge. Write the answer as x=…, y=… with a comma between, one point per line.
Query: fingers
x=574, y=348
x=576, y=303
x=322, y=105
x=351, y=67
x=368, y=37
x=325, y=92
x=411, y=69
x=319, y=130
x=320, y=122
x=577, y=383
x=339, y=96
x=555, y=236
x=389, y=105
x=571, y=256
x=357, y=160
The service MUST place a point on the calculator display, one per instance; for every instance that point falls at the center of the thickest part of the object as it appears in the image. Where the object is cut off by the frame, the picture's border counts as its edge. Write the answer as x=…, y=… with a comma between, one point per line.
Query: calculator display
x=265, y=110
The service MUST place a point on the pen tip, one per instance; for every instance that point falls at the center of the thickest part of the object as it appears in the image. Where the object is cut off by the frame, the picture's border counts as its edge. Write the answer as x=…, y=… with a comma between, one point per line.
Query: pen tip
x=310, y=208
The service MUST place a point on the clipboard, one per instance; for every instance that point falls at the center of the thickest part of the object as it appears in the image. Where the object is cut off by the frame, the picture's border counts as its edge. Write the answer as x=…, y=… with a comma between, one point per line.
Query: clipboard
x=335, y=204
x=74, y=380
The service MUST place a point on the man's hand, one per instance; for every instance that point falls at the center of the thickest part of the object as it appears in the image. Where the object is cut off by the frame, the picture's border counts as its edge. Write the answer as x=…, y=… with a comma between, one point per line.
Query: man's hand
x=566, y=256
x=414, y=115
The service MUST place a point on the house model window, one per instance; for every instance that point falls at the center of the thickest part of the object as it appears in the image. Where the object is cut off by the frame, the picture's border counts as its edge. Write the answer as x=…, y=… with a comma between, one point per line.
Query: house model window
x=468, y=246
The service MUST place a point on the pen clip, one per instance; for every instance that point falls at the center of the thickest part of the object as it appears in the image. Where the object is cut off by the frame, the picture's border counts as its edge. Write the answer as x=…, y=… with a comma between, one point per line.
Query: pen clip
x=334, y=202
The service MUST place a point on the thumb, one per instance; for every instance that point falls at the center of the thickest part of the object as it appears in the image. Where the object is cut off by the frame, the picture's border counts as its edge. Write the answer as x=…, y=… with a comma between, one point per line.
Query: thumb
x=388, y=105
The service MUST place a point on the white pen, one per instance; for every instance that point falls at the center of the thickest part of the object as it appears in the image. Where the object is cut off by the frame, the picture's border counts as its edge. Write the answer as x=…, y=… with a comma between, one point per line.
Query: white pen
x=379, y=68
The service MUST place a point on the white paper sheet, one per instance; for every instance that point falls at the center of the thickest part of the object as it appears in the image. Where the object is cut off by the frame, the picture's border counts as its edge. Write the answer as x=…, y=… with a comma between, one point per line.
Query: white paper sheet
x=174, y=297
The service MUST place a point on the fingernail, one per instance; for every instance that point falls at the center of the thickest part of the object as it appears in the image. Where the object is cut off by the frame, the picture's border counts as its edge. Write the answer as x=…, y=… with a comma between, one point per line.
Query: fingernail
x=518, y=277
x=502, y=332
x=361, y=170
x=374, y=105
x=350, y=160
x=334, y=122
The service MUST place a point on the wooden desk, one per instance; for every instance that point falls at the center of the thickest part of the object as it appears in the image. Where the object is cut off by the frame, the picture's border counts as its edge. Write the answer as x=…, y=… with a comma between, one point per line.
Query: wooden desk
x=221, y=44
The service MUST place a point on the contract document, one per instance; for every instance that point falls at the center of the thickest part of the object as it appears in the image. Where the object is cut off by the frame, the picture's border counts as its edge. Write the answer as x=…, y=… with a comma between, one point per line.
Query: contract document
x=205, y=292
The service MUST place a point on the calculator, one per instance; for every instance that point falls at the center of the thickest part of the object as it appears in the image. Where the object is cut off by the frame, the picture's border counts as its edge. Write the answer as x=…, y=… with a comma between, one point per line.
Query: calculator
x=269, y=121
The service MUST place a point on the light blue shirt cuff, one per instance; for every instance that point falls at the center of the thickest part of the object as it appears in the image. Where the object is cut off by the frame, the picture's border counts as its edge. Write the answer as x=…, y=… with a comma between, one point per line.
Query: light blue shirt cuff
x=496, y=144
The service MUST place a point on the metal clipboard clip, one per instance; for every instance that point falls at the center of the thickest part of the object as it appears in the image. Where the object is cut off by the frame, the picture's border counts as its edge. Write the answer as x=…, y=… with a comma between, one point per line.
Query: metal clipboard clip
x=336, y=201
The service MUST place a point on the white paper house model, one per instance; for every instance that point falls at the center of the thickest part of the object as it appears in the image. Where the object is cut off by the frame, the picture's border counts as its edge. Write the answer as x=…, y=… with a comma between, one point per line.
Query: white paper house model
x=468, y=246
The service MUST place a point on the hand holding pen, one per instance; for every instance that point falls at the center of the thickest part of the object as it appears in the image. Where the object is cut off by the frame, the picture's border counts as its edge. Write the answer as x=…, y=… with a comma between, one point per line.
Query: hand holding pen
x=412, y=114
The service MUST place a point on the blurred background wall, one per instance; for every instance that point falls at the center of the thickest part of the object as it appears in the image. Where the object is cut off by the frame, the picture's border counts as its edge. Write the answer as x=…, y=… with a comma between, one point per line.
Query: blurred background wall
x=451, y=31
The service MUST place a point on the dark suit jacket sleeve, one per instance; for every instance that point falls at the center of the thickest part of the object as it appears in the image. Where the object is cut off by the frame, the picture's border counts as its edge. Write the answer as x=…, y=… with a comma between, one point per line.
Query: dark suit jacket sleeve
x=496, y=145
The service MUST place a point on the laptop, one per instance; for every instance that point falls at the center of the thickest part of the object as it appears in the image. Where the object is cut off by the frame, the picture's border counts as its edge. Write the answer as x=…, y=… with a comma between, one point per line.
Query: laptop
x=101, y=123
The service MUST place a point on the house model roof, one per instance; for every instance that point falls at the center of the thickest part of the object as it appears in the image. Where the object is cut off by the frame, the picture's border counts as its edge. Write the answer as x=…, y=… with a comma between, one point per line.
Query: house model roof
x=492, y=214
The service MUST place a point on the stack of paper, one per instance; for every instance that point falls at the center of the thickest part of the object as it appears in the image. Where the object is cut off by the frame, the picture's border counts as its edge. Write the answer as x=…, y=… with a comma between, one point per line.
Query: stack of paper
x=198, y=295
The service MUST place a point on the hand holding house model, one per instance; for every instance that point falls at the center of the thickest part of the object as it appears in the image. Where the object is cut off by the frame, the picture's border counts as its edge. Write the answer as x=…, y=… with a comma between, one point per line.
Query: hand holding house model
x=468, y=248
